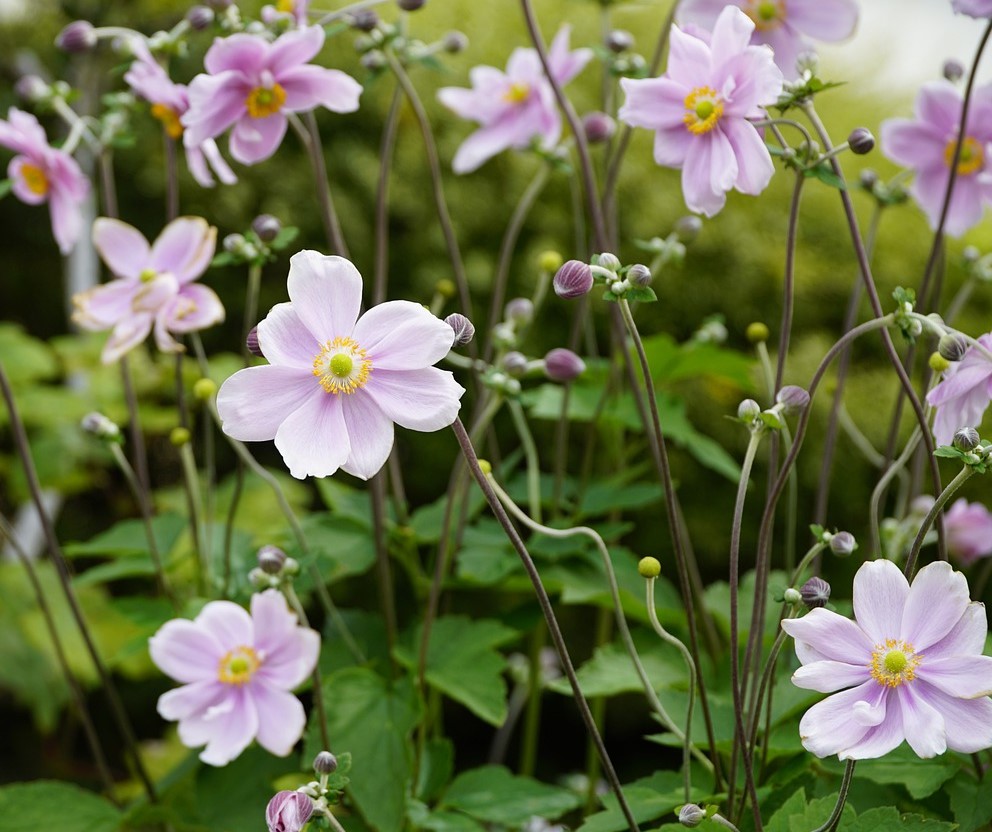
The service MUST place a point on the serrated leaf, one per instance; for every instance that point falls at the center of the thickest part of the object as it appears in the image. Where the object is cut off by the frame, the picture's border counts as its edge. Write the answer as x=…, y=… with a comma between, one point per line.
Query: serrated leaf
x=128, y=538
x=48, y=804
x=494, y=795
x=779, y=822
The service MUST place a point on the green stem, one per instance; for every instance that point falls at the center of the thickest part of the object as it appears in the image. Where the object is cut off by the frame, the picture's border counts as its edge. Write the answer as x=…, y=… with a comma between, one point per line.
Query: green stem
x=880, y=488
x=832, y=822
x=945, y=495
x=530, y=453
x=192, y=481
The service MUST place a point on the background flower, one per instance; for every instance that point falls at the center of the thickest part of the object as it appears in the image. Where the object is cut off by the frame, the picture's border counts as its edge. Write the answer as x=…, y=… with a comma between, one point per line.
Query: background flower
x=969, y=531
x=960, y=400
x=975, y=8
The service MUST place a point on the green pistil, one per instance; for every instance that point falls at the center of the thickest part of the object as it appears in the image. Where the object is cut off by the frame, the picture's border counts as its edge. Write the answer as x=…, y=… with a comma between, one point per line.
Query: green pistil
x=238, y=665
x=341, y=365
x=767, y=12
x=895, y=662
x=704, y=109
x=147, y=275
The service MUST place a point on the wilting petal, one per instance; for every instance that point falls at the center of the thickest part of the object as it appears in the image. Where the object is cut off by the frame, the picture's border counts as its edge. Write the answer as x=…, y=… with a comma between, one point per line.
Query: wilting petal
x=370, y=434
x=285, y=340
x=830, y=676
x=228, y=623
x=400, y=335
x=313, y=439
x=121, y=246
x=921, y=722
x=424, y=400
x=184, y=248
x=254, y=140
x=281, y=718
x=103, y=306
x=843, y=719
x=310, y=86
x=326, y=293
x=197, y=307
x=185, y=651
x=967, y=722
x=832, y=635
x=253, y=403
x=880, y=592
x=880, y=739
x=195, y=698
x=964, y=677
x=937, y=599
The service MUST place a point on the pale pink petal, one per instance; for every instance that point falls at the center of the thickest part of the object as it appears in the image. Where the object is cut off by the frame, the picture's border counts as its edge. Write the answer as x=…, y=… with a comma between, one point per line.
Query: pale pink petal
x=939, y=103
x=490, y=140
x=967, y=722
x=564, y=63
x=313, y=439
x=274, y=622
x=126, y=336
x=754, y=162
x=962, y=379
x=293, y=49
x=828, y=20
x=963, y=677
x=843, y=719
x=67, y=219
x=654, y=103
x=293, y=662
x=922, y=724
x=254, y=140
x=700, y=12
x=186, y=651
x=786, y=45
x=424, y=400
x=370, y=434
x=702, y=168
x=401, y=335
x=285, y=340
x=103, y=306
x=830, y=676
x=689, y=60
x=220, y=167
x=937, y=600
x=967, y=205
x=197, y=164
x=240, y=52
x=22, y=133
x=880, y=739
x=326, y=292
x=121, y=246
x=281, y=718
x=215, y=103
x=163, y=338
x=229, y=623
x=227, y=729
x=749, y=81
x=731, y=33
x=831, y=635
x=911, y=143
x=307, y=87
x=254, y=402
x=485, y=101
x=184, y=702
x=880, y=592
x=807, y=654
x=671, y=146
x=525, y=65
x=184, y=248
x=967, y=637
x=197, y=307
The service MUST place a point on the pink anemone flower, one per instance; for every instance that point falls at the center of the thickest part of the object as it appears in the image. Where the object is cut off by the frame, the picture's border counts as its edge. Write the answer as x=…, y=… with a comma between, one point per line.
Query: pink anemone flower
x=41, y=173
x=296, y=10
x=961, y=399
x=926, y=144
x=909, y=668
x=170, y=101
x=969, y=531
x=784, y=25
x=252, y=85
x=154, y=287
x=973, y=8
x=336, y=382
x=700, y=109
x=237, y=671
x=514, y=107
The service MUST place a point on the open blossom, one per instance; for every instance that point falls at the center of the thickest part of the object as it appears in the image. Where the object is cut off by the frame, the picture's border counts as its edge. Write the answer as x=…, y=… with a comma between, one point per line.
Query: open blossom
x=700, y=109
x=962, y=397
x=975, y=8
x=784, y=25
x=926, y=144
x=41, y=173
x=237, y=672
x=336, y=382
x=154, y=286
x=252, y=84
x=169, y=102
x=969, y=531
x=516, y=107
x=909, y=668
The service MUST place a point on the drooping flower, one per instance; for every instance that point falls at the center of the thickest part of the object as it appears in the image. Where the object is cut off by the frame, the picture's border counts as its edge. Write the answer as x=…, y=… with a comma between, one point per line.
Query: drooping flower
x=909, y=668
x=516, y=107
x=784, y=25
x=700, y=109
x=288, y=811
x=969, y=531
x=41, y=173
x=960, y=400
x=974, y=8
x=170, y=101
x=252, y=84
x=336, y=382
x=237, y=672
x=926, y=144
x=154, y=285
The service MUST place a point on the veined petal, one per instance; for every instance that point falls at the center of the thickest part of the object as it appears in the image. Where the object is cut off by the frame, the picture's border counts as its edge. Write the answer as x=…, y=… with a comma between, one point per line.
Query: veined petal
x=227, y=731
x=188, y=700
x=654, y=103
x=281, y=718
x=754, y=162
x=240, y=52
x=309, y=86
x=254, y=140
x=967, y=722
x=967, y=637
x=253, y=403
x=326, y=293
x=313, y=439
x=830, y=676
x=842, y=720
x=922, y=723
x=401, y=335
x=215, y=103
x=831, y=635
x=121, y=246
x=186, y=651
x=229, y=623
x=288, y=666
x=937, y=599
x=184, y=248
x=880, y=592
x=880, y=739
x=424, y=400
x=370, y=434
x=285, y=340
x=292, y=49
x=964, y=677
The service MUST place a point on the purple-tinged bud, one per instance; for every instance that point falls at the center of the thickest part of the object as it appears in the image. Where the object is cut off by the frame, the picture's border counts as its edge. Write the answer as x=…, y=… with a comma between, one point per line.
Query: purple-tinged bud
x=598, y=127
x=868, y=179
x=563, y=365
x=454, y=42
x=100, y=426
x=78, y=36
x=411, y=5
x=953, y=70
x=233, y=243
x=515, y=363
x=30, y=88
x=639, y=275
x=520, y=311
x=271, y=559
x=365, y=20
x=792, y=397
x=691, y=815
x=608, y=260
x=815, y=593
x=861, y=141
x=842, y=544
x=200, y=17
x=325, y=763
x=952, y=346
x=619, y=40
x=966, y=439
x=573, y=280
x=251, y=341
x=688, y=228
x=463, y=328
x=266, y=227
x=288, y=811
x=748, y=410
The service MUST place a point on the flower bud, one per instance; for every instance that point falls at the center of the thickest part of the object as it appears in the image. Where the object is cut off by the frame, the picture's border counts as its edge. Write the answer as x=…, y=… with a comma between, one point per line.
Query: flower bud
x=271, y=559
x=463, y=328
x=78, y=36
x=688, y=228
x=373, y=60
x=756, y=332
x=792, y=596
x=446, y=288
x=454, y=42
x=619, y=41
x=251, y=342
x=288, y=811
x=234, y=243
x=411, y=5
x=365, y=20
x=966, y=439
x=649, y=567
x=325, y=763
x=861, y=141
x=515, y=363
x=598, y=127
x=691, y=815
x=204, y=389
x=792, y=397
x=842, y=544
x=953, y=70
x=815, y=593
x=868, y=179
x=520, y=311
x=952, y=346
x=808, y=61
x=549, y=261
x=639, y=275
x=200, y=17
x=563, y=365
x=30, y=88
x=938, y=363
x=970, y=254
x=179, y=437
x=608, y=261
x=573, y=280
x=267, y=227
x=100, y=426
x=748, y=410
x=486, y=467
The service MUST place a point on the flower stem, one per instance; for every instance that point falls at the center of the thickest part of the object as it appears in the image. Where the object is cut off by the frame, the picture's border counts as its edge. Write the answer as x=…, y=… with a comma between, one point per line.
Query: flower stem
x=832, y=822
x=251, y=308
x=963, y=475
x=310, y=137
x=530, y=454
x=883, y=483
x=191, y=479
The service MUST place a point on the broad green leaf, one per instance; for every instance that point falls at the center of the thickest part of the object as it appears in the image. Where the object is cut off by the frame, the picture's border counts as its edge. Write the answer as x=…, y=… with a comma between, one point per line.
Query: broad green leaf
x=128, y=538
x=47, y=804
x=25, y=358
x=716, y=597
x=339, y=547
x=423, y=818
x=921, y=778
x=889, y=819
x=494, y=795
x=115, y=570
x=795, y=805
x=436, y=766
x=815, y=812
x=971, y=802
x=233, y=798
x=649, y=798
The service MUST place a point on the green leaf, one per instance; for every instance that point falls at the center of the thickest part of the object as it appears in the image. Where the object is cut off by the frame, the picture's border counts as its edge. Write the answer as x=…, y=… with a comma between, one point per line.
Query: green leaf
x=47, y=804
x=815, y=812
x=233, y=798
x=921, y=778
x=115, y=570
x=436, y=766
x=25, y=358
x=888, y=819
x=649, y=798
x=826, y=175
x=423, y=818
x=971, y=803
x=339, y=547
x=494, y=795
x=6, y=186
x=462, y=663
x=779, y=822
x=127, y=538
x=643, y=294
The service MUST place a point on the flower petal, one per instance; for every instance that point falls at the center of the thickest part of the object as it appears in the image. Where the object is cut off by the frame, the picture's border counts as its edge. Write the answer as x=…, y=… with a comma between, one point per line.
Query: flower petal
x=254, y=140
x=240, y=52
x=285, y=340
x=880, y=592
x=754, y=162
x=229, y=623
x=832, y=635
x=127, y=334
x=326, y=293
x=400, y=335
x=843, y=719
x=937, y=600
x=292, y=49
x=962, y=677
x=288, y=666
x=307, y=87
x=121, y=246
x=189, y=700
x=921, y=721
x=273, y=621
x=830, y=676
x=227, y=729
x=313, y=439
x=880, y=739
x=654, y=103
x=215, y=103
x=967, y=722
x=281, y=718
x=253, y=403
x=425, y=400
x=197, y=307
x=103, y=306
x=829, y=20
x=186, y=651
x=370, y=434
x=184, y=248
x=967, y=637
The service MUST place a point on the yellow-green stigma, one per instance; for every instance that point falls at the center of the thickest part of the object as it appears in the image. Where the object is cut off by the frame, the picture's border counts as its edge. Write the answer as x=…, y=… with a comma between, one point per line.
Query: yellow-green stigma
x=517, y=93
x=238, y=666
x=147, y=275
x=766, y=14
x=263, y=102
x=703, y=110
x=972, y=158
x=342, y=366
x=285, y=6
x=893, y=663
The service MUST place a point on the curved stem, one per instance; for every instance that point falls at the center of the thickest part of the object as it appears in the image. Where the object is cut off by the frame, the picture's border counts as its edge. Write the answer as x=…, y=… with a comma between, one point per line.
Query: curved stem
x=882, y=485
x=831, y=823
x=310, y=136
x=938, y=504
x=530, y=453
x=318, y=691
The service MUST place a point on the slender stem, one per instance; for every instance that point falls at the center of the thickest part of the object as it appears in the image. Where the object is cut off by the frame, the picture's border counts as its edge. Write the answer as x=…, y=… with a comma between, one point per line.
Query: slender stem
x=310, y=136
x=530, y=454
x=788, y=300
x=171, y=178
x=345, y=11
x=532, y=713
x=134, y=426
x=964, y=474
x=386, y=148
x=845, y=784
x=882, y=485
x=232, y=511
x=766, y=676
x=251, y=308
x=465, y=443
x=191, y=480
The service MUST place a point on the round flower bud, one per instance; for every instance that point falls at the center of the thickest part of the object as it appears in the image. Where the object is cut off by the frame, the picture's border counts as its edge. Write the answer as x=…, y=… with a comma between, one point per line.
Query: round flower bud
x=792, y=397
x=373, y=60
x=609, y=261
x=619, y=41
x=486, y=467
x=515, y=363
x=966, y=439
x=251, y=341
x=598, y=127
x=30, y=88
x=748, y=410
x=563, y=365
x=952, y=346
x=325, y=763
x=808, y=61
x=842, y=544
x=792, y=596
x=411, y=5
x=688, y=228
x=649, y=567
x=234, y=243
x=938, y=363
x=271, y=559
x=446, y=288
x=953, y=70
x=78, y=36
x=463, y=328
x=100, y=426
x=204, y=389
x=365, y=20
x=520, y=311
x=179, y=437
x=549, y=261
x=288, y=811
x=868, y=179
x=861, y=141
x=573, y=280
x=200, y=17
x=639, y=275
x=691, y=815
x=266, y=227
x=815, y=593
x=756, y=332
x=455, y=42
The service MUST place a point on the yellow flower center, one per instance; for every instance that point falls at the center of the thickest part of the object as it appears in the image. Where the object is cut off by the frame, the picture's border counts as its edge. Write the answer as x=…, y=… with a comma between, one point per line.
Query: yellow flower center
x=169, y=118
x=518, y=92
x=893, y=663
x=703, y=109
x=972, y=158
x=238, y=666
x=34, y=178
x=263, y=102
x=342, y=366
x=285, y=6
x=766, y=14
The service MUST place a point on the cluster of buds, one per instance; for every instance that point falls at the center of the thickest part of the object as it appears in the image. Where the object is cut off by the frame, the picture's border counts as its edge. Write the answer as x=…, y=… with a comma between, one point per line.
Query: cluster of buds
x=576, y=278
x=98, y=425
x=841, y=544
x=274, y=569
x=969, y=449
x=378, y=38
x=884, y=193
x=258, y=245
x=621, y=60
x=812, y=594
x=790, y=399
x=289, y=811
